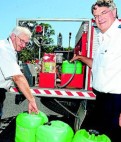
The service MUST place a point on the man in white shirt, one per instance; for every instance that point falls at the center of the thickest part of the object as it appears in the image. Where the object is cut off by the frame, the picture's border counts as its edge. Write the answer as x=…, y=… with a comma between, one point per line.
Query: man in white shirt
x=106, y=71
x=9, y=69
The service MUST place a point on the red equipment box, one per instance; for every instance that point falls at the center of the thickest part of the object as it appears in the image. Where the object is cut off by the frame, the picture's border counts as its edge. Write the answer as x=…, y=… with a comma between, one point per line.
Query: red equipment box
x=47, y=80
x=76, y=82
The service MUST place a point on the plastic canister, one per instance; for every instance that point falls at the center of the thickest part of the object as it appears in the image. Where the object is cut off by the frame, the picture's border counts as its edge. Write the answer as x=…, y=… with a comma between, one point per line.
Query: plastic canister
x=27, y=124
x=55, y=131
x=84, y=136
x=70, y=68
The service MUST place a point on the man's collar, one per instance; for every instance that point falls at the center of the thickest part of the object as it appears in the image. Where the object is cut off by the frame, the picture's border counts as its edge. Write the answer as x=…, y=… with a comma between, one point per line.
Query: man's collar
x=11, y=44
x=112, y=28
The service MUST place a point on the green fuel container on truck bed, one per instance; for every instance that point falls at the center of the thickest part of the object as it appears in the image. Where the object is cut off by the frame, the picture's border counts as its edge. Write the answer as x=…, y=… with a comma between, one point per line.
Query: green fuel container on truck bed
x=27, y=124
x=70, y=68
x=55, y=131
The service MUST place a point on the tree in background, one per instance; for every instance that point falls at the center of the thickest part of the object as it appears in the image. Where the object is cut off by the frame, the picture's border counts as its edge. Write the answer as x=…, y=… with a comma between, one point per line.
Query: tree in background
x=41, y=40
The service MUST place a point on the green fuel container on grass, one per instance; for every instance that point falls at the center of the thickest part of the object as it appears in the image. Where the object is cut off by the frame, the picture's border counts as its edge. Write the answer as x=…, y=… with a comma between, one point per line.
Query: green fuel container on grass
x=84, y=136
x=70, y=68
x=27, y=124
x=55, y=131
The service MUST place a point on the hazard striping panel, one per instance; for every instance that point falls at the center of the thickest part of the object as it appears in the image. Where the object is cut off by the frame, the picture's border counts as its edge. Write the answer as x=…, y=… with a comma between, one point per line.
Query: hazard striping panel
x=60, y=93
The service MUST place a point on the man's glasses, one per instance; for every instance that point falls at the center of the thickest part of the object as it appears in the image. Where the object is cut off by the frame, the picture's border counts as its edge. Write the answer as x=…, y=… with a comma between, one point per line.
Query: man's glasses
x=102, y=14
x=23, y=42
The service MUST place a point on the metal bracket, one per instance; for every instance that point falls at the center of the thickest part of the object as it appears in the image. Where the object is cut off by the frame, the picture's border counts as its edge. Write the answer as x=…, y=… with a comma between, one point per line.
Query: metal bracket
x=81, y=113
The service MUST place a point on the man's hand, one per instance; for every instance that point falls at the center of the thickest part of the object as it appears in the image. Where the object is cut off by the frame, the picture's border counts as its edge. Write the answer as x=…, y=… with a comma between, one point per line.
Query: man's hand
x=32, y=107
x=75, y=58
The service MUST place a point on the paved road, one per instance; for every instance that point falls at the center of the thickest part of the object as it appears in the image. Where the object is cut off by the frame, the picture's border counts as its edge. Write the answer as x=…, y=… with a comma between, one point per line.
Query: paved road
x=11, y=109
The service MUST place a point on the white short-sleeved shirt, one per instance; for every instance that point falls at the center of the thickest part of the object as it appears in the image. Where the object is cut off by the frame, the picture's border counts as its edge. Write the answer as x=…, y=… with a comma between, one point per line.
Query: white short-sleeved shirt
x=106, y=67
x=8, y=63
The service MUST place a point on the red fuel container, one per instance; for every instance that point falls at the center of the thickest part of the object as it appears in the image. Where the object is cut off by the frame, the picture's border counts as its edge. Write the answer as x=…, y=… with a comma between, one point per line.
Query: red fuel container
x=76, y=82
x=47, y=80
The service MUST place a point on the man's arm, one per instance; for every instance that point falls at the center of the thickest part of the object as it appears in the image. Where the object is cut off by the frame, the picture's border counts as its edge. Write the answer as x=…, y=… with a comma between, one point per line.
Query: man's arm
x=23, y=85
x=86, y=60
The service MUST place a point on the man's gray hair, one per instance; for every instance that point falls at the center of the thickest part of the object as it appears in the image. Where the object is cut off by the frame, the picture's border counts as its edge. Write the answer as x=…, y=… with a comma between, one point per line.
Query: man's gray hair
x=19, y=30
x=104, y=3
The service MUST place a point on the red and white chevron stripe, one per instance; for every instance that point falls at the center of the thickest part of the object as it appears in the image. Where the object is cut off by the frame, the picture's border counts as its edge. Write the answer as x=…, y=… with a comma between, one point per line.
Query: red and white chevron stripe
x=61, y=93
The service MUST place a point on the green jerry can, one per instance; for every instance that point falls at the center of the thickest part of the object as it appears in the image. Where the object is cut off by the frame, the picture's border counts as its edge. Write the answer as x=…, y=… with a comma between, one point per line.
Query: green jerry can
x=71, y=68
x=27, y=124
x=84, y=136
x=55, y=131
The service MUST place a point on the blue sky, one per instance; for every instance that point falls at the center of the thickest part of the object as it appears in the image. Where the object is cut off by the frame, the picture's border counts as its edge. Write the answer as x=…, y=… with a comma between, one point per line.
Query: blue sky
x=10, y=10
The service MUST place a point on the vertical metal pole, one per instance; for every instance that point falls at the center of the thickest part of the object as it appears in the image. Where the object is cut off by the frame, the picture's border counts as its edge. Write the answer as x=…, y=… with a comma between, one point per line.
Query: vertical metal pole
x=40, y=44
x=88, y=53
x=69, y=46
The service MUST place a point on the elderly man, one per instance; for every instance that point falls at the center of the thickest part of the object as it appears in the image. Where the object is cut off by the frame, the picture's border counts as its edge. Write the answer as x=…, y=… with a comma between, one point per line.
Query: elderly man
x=106, y=71
x=9, y=68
